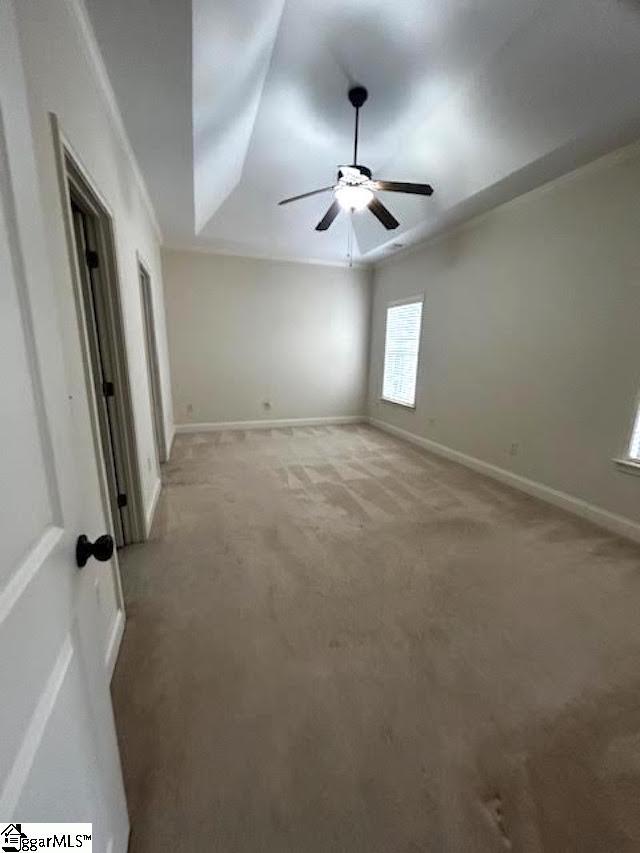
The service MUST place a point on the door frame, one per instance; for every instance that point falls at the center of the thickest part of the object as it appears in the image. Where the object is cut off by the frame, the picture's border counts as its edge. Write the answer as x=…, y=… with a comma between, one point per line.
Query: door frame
x=72, y=174
x=153, y=362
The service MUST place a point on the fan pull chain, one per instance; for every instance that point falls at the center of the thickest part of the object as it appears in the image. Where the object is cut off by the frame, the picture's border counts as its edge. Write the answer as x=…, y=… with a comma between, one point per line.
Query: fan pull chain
x=350, y=239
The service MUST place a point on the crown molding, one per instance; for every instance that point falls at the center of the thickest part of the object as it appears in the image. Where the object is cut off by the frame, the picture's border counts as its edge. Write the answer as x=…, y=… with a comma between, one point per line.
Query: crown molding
x=599, y=163
x=257, y=256
x=80, y=17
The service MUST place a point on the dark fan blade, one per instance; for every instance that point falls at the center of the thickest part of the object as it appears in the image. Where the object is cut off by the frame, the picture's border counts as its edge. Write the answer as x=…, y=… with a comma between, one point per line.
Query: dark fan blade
x=399, y=187
x=380, y=212
x=329, y=216
x=305, y=195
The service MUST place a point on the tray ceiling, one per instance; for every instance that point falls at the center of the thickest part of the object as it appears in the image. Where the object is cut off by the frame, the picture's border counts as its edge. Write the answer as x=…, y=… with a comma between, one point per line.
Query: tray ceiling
x=232, y=106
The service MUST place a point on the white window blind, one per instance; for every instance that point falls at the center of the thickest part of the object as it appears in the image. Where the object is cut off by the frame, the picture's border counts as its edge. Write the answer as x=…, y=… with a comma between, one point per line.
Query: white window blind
x=634, y=447
x=402, y=343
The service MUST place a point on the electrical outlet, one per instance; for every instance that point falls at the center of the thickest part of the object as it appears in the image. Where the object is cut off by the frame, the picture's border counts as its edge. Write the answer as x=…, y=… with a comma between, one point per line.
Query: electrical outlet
x=515, y=448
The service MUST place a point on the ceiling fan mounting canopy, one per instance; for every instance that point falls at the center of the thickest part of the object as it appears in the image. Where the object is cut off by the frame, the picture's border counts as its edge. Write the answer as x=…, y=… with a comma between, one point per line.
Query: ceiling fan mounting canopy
x=355, y=188
x=358, y=95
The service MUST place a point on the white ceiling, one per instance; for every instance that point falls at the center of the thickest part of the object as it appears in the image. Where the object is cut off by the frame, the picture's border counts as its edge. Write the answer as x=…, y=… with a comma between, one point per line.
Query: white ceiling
x=232, y=106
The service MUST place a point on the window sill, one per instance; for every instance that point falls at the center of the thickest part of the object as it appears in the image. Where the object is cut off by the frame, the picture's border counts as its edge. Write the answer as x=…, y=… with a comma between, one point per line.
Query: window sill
x=628, y=466
x=396, y=403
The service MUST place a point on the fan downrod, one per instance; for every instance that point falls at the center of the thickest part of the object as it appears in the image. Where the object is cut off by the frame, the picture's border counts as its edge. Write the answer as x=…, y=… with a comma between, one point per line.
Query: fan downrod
x=357, y=96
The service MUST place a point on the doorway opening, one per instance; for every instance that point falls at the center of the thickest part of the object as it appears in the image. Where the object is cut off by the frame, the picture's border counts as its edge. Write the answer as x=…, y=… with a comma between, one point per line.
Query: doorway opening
x=92, y=246
x=153, y=365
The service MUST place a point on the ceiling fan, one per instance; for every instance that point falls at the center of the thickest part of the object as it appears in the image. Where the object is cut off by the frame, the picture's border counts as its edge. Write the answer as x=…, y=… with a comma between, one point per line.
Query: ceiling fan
x=355, y=189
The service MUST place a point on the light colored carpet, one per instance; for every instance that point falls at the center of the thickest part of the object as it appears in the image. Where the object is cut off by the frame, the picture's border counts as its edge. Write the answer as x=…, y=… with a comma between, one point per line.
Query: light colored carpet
x=336, y=642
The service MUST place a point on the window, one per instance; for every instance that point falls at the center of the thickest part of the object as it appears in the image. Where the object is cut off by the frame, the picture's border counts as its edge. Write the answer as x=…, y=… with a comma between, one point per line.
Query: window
x=634, y=446
x=401, y=347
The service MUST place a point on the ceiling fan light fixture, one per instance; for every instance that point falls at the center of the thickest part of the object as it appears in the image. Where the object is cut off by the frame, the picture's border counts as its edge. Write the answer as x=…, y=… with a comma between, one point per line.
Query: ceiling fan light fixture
x=353, y=197
x=355, y=186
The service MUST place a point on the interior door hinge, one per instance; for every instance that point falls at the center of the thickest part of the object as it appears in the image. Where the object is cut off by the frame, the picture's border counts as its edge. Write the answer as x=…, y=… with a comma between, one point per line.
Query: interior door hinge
x=92, y=259
x=107, y=389
x=122, y=500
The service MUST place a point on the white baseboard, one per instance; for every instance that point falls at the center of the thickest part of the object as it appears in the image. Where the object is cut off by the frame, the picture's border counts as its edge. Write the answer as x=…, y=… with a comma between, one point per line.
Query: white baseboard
x=113, y=646
x=602, y=517
x=151, y=511
x=169, y=443
x=289, y=422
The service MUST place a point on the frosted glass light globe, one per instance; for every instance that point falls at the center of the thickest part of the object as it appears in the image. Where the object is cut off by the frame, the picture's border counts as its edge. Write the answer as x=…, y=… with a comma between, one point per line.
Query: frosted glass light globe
x=353, y=198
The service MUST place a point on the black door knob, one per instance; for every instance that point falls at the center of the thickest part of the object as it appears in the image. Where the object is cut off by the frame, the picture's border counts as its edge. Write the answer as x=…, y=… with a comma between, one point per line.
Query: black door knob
x=101, y=549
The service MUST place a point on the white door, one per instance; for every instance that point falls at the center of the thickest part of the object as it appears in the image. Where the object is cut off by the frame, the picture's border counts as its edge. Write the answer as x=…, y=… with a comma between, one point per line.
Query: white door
x=59, y=759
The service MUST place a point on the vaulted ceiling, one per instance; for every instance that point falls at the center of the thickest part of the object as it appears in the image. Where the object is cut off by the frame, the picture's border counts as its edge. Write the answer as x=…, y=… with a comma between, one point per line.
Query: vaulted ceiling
x=232, y=106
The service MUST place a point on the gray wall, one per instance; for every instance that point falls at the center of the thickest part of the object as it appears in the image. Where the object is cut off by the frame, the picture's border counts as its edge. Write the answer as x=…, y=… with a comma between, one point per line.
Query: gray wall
x=245, y=331
x=531, y=333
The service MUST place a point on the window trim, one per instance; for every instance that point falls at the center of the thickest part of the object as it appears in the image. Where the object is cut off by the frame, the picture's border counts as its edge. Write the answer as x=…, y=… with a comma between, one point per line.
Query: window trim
x=628, y=464
x=407, y=300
